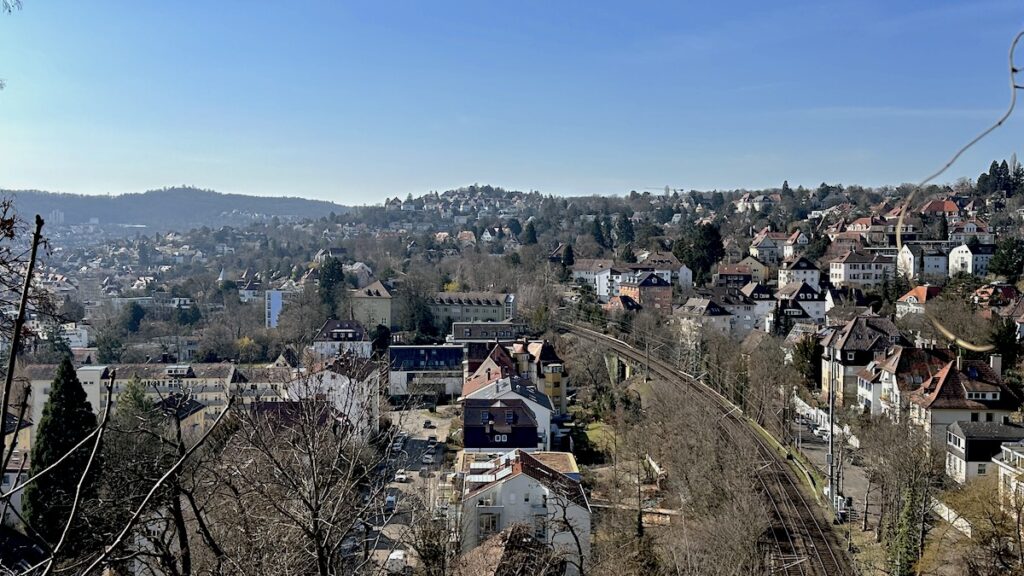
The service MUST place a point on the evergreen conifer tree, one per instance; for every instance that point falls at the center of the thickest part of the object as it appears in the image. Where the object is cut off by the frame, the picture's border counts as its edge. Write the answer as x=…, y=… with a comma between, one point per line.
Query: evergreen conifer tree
x=67, y=418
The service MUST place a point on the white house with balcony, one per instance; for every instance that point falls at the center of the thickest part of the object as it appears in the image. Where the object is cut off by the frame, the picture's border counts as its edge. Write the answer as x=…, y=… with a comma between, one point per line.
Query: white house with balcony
x=522, y=489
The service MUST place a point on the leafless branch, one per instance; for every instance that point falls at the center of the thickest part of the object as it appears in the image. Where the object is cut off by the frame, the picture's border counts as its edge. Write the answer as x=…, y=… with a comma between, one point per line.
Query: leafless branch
x=156, y=486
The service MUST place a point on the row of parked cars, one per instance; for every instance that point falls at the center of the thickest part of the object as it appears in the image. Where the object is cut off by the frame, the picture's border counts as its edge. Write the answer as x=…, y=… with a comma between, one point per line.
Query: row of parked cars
x=818, y=430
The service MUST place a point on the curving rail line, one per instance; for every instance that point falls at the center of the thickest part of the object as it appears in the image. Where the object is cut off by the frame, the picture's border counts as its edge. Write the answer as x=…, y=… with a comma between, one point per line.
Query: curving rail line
x=804, y=545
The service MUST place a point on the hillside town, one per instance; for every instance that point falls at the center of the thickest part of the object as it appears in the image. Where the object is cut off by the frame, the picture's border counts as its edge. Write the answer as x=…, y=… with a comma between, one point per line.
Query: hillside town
x=465, y=348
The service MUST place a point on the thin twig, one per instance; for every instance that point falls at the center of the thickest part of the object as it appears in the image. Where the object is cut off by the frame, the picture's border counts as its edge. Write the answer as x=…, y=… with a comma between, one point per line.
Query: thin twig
x=19, y=321
x=1014, y=87
x=138, y=511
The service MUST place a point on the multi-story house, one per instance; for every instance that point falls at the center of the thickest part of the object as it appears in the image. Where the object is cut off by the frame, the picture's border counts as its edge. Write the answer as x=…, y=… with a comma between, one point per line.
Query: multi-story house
x=972, y=260
x=537, y=361
x=758, y=270
x=449, y=307
x=733, y=276
x=584, y=270
x=1009, y=464
x=768, y=246
x=849, y=349
x=651, y=291
x=971, y=446
x=923, y=261
x=371, y=306
x=522, y=489
x=966, y=390
x=427, y=370
x=519, y=389
x=795, y=244
x=901, y=371
x=966, y=230
x=941, y=209
x=608, y=280
x=799, y=270
x=499, y=425
x=205, y=383
x=699, y=314
x=860, y=270
x=338, y=336
x=799, y=295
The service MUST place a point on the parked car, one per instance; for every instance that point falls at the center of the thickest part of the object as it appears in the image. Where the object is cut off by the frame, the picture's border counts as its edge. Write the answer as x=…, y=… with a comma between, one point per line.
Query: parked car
x=822, y=432
x=428, y=458
x=390, y=502
x=431, y=441
x=428, y=424
x=396, y=563
x=401, y=475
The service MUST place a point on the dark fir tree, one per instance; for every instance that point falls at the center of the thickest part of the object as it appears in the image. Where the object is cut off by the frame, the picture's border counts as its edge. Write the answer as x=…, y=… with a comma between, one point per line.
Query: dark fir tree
x=624, y=230
x=700, y=248
x=568, y=257
x=1008, y=261
x=626, y=254
x=332, y=279
x=529, y=234
x=67, y=418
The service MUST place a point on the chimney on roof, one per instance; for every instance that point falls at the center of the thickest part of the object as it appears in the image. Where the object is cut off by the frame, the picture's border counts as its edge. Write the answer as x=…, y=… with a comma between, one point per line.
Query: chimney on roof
x=995, y=361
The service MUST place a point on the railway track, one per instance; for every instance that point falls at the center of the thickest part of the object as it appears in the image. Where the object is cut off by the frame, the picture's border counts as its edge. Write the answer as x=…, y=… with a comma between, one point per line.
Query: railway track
x=804, y=544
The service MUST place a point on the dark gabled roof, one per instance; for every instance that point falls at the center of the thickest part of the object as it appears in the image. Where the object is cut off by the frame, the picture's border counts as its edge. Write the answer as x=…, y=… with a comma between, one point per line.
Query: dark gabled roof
x=332, y=325
x=865, y=332
x=701, y=307
x=792, y=290
x=470, y=298
x=987, y=431
x=375, y=290
x=647, y=280
x=800, y=263
x=179, y=405
x=11, y=421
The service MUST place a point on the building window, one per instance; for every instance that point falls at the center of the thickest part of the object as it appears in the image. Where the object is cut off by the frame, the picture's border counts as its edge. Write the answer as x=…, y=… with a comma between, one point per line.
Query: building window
x=988, y=416
x=981, y=468
x=488, y=524
x=974, y=416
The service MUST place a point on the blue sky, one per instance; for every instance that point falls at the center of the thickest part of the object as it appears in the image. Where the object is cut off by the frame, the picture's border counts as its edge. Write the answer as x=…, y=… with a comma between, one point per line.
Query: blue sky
x=353, y=102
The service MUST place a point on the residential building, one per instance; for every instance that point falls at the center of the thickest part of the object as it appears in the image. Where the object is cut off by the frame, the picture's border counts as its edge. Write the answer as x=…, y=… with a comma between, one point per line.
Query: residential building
x=968, y=390
x=486, y=331
x=338, y=336
x=518, y=488
x=849, y=349
x=768, y=246
x=371, y=306
x=274, y=301
x=1009, y=464
x=941, y=209
x=795, y=244
x=207, y=384
x=608, y=280
x=499, y=425
x=973, y=229
x=450, y=307
x=971, y=446
x=972, y=260
x=733, y=276
x=537, y=361
x=651, y=291
x=758, y=270
x=799, y=269
x=520, y=389
x=859, y=270
x=797, y=301
x=585, y=269
x=698, y=314
x=902, y=371
x=914, y=300
x=427, y=370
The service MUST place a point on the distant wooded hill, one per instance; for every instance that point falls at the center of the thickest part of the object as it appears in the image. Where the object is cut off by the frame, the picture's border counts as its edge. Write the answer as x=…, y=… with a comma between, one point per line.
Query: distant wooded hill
x=169, y=208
